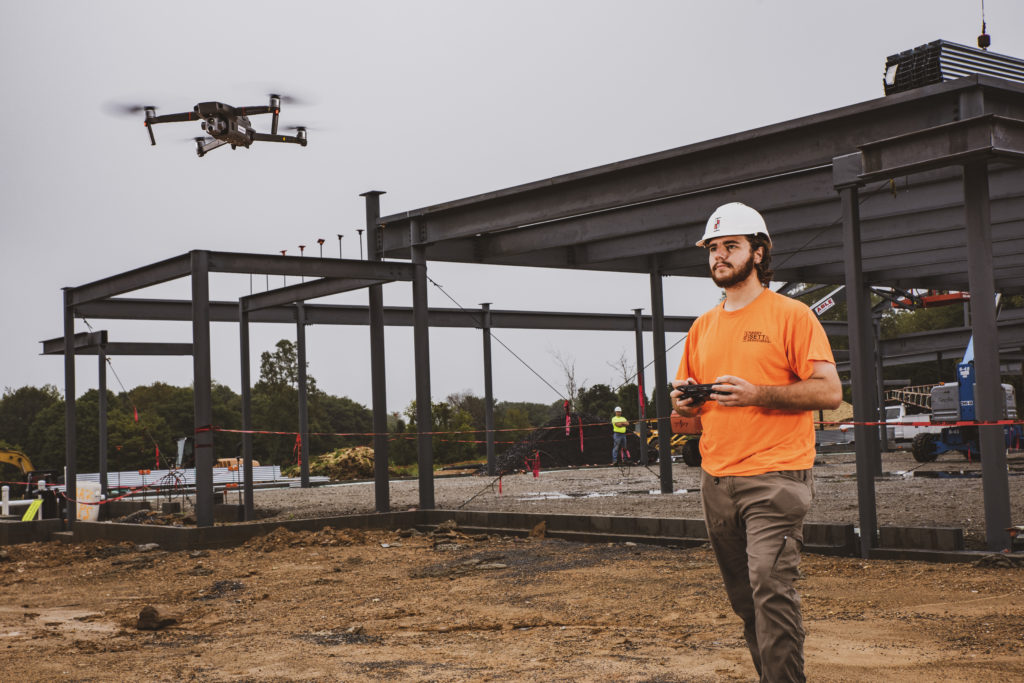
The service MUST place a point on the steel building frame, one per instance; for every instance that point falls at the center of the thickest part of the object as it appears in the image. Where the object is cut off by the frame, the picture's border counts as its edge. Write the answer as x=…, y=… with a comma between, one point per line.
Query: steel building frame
x=930, y=191
x=287, y=305
x=922, y=189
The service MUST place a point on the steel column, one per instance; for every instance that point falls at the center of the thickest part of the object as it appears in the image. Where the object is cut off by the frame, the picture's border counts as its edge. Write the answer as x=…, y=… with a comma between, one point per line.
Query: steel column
x=988, y=396
x=492, y=468
x=861, y=335
x=662, y=400
x=300, y=342
x=201, y=387
x=102, y=409
x=641, y=407
x=421, y=344
x=70, y=471
x=378, y=367
x=246, y=381
x=883, y=429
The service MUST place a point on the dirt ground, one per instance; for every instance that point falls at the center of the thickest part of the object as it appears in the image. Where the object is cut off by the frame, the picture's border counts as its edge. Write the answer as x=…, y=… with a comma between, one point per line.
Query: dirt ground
x=944, y=493
x=339, y=605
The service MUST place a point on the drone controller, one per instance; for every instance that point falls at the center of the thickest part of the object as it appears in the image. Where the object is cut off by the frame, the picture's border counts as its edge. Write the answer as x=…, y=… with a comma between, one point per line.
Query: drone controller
x=698, y=392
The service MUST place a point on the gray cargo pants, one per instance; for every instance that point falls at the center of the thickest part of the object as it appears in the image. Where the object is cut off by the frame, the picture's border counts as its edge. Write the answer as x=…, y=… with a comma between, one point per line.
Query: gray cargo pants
x=755, y=525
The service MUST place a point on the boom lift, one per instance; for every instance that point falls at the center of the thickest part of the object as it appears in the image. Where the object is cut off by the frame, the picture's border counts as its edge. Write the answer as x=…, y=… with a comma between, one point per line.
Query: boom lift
x=953, y=403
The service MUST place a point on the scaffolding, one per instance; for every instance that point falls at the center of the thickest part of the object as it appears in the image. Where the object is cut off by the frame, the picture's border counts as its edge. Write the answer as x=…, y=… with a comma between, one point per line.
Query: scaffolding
x=919, y=395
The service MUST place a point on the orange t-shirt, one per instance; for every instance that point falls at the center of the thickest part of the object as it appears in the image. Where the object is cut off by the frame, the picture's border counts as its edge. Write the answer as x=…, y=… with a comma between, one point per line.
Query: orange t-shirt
x=773, y=340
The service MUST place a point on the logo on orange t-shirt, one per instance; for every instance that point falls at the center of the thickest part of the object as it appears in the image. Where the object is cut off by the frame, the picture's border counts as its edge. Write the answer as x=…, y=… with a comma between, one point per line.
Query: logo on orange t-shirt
x=751, y=336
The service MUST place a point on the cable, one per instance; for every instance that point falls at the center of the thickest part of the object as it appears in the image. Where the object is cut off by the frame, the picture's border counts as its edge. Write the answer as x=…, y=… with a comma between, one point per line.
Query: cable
x=834, y=223
x=514, y=354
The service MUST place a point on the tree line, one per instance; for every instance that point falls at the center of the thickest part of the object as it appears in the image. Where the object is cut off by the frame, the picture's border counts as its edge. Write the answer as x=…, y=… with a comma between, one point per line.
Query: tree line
x=147, y=422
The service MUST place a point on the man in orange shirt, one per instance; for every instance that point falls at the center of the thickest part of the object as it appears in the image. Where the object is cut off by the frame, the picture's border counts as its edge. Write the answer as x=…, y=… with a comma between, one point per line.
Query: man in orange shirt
x=771, y=365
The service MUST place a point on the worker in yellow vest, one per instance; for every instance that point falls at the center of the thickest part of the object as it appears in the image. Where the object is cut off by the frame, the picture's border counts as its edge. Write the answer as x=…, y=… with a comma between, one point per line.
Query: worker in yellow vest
x=619, y=424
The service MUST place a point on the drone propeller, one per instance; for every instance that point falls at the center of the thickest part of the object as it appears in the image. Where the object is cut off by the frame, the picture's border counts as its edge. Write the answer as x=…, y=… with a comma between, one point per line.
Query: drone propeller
x=286, y=99
x=122, y=109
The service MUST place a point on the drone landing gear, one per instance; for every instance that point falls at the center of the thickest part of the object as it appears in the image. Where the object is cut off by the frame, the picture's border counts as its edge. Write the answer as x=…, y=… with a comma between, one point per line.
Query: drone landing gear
x=204, y=145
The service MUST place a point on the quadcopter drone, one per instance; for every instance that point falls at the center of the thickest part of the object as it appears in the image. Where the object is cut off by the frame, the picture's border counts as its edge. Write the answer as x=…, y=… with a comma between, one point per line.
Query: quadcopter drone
x=226, y=125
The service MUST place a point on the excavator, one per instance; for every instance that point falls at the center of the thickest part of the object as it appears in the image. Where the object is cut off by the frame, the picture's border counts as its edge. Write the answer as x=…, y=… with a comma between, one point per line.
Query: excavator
x=18, y=459
x=29, y=474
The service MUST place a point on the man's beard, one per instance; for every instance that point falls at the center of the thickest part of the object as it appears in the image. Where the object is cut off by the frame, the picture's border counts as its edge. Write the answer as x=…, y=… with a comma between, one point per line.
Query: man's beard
x=735, y=277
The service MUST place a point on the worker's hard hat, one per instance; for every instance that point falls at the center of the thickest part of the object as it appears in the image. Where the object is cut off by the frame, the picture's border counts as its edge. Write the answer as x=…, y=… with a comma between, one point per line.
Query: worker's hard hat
x=618, y=409
x=734, y=219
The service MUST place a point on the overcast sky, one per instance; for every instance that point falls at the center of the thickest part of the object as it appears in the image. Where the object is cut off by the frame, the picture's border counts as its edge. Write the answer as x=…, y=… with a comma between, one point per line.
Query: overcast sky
x=429, y=101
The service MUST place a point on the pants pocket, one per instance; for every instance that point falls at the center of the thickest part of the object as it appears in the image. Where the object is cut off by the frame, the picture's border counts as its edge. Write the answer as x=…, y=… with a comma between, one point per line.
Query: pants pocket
x=787, y=560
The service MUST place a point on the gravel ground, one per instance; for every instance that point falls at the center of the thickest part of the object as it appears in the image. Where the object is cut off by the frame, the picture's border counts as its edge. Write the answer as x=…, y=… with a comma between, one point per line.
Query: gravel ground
x=945, y=493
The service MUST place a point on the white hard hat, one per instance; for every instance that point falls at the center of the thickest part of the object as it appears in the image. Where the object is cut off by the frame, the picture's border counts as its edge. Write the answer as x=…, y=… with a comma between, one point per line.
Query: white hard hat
x=618, y=409
x=734, y=219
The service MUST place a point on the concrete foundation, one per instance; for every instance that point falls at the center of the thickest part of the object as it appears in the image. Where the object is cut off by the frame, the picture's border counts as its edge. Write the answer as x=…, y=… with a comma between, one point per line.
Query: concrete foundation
x=930, y=544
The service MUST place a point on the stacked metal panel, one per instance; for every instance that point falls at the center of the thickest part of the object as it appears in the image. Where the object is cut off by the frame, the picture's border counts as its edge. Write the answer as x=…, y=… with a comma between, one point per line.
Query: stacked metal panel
x=942, y=60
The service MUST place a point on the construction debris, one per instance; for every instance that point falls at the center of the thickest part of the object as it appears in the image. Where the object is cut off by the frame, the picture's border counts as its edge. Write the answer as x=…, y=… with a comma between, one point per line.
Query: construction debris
x=150, y=620
x=342, y=464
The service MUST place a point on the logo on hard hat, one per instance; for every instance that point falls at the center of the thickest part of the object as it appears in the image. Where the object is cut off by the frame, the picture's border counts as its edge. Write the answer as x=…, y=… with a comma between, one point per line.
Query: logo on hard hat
x=718, y=222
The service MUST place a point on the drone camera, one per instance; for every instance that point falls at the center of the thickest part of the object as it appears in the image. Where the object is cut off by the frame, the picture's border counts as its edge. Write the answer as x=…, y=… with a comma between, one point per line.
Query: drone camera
x=215, y=125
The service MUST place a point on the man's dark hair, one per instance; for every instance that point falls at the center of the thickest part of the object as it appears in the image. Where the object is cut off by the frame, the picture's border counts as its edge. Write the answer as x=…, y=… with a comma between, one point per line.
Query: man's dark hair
x=764, y=268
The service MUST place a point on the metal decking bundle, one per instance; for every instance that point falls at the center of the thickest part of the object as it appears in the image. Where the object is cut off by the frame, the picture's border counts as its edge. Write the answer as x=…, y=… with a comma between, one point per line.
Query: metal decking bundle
x=941, y=61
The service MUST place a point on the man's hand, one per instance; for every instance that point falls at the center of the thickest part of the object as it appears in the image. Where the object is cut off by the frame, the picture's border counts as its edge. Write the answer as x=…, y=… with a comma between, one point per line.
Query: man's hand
x=734, y=392
x=687, y=407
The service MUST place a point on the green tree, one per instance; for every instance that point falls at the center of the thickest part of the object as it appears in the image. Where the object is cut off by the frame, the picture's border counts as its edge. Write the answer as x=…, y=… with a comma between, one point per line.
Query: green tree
x=599, y=401
x=19, y=408
x=275, y=401
x=452, y=435
x=339, y=415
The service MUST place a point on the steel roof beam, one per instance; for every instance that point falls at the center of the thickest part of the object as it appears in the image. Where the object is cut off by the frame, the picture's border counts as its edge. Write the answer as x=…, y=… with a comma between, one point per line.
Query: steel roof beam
x=924, y=206
x=83, y=341
x=979, y=137
x=132, y=280
x=305, y=292
x=327, y=314
x=743, y=157
x=267, y=264
x=55, y=347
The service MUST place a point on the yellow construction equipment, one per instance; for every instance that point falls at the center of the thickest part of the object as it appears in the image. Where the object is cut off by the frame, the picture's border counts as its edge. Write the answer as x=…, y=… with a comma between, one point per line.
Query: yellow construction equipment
x=18, y=459
x=685, y=438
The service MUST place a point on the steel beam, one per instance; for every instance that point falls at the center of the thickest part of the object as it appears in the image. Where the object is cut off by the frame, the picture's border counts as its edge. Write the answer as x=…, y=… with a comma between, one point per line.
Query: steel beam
x=393, y=316
x=306, y=291
x=70, y=444
x=674, y=223
x=84, y=343
x=862, y=378
x=492, y=467
x=101, y=391
x=246, y=388
x=201, y=388
x=759, y=153
x=641, y=408
x=308, y=266
x=971, y=139
x=662, y=400
x=129, y=281
x=989, y=403
x=55, y=347
x=378, y=367
x=421, y=352
x=300, y=344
